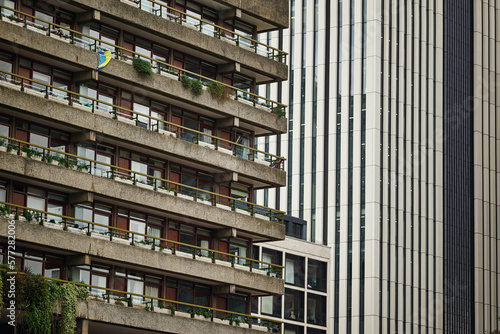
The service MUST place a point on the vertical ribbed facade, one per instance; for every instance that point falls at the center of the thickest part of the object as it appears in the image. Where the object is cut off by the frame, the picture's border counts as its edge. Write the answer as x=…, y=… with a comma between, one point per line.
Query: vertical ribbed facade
x=393, y=152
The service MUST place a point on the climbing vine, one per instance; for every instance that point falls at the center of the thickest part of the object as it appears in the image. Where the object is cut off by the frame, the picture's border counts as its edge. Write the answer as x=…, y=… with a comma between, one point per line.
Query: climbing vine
x=69, y=295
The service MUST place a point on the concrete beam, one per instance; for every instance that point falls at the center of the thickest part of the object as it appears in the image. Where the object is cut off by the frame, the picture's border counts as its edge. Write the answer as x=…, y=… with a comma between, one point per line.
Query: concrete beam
x=226, y=233
x=78, y=260
x=81, y=197
x=228, y=122
x=84, y=136
x=229, y=68
x=230, y=14
x=86, y=75
x=82, y=326
x=226, y=177
x=223, y=289
x=88, y=16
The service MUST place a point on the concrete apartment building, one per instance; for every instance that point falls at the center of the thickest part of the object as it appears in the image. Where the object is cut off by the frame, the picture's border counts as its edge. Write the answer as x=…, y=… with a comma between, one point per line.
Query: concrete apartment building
x=393, y=160
x=138, y=183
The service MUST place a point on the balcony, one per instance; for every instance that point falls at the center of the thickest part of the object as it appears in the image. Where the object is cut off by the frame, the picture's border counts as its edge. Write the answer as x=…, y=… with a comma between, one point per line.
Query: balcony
x=202, y=149
x=254, y=221
x=108, y=243
x=256, y=113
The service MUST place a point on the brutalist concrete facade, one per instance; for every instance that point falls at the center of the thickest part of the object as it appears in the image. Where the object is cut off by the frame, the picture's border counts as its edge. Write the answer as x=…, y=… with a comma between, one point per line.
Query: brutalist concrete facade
x=131, y=159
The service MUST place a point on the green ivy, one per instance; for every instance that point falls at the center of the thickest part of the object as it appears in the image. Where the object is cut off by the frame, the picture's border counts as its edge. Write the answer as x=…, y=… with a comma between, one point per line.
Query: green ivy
x=143, y=67
x=195, y=85
x=69, y=295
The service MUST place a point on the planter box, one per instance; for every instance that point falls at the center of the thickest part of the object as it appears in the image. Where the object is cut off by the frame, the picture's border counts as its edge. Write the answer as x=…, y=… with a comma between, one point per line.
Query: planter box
x=184, y=254
x=37, y=158
x=3, y=148
x=220, y=321
x=62, y=39
x=170, y=75
x=54, y=226
x=241, y=267
x=259, y=328
x=121, y=241
x=262, y=162
x=55, y=162
x=222, y=206
x=208, y=145
x=165, y=191
x=258, y=271
x=223, y=263
x=141, y=245
x=225, y=150
x=202, y=201
x=99, y=235
x=76, y=230
x=201, y=317
x=244, y=325
x=126, y=181
x=145, y=186
x=163, y=310
x=182, y=314
x=257, y=215
x=168, y=133
x=127, y=120
x=204, y=259
x=166, y=250
x=244, y=212
x=103, y=113
x=128, y=2
x=35, y=29
x=188, y=197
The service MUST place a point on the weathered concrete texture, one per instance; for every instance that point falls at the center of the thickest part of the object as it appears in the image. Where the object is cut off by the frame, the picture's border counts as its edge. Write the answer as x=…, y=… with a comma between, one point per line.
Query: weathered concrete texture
x=190, y=37
x=79, y=181
x=122, y=71
x=82, y=244
x=140, y=318
x=275, y=11
x=133, y=134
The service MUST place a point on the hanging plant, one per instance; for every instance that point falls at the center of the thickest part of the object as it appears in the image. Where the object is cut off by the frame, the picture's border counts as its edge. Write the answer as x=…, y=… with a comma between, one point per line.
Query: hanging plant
x=194, y=85
x=219, y=92
x=142, y=67
x=69, y=295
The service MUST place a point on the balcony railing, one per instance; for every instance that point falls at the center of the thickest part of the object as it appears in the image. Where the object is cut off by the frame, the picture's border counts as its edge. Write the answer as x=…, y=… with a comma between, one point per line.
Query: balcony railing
x=142, y=120
x=209, y=28
x=92, y=43
x=212, y=313
x=155, y=243
x=125, y=175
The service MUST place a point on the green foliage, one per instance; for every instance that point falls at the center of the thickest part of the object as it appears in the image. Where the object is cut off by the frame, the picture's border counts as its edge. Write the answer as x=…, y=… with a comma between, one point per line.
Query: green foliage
x=219, y=91
x=172, y=309
x=142, y=67
x=28, y=215
x=194, y=85
x=69, y=295
x=36, y=297
x=279, y=111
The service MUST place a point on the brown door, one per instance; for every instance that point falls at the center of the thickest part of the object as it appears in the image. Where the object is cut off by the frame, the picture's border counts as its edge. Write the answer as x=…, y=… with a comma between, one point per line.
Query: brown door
x=174, y=236
x=226, y=191
x=227, y=136
x=122, y=222
x=127, y=105
x=175, y=177
x=171, y=294
x=24, y=72
x=123, y=163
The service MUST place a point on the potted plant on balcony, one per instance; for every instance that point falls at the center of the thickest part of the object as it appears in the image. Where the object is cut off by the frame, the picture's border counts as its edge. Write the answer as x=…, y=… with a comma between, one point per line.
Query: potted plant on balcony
x=143, y=67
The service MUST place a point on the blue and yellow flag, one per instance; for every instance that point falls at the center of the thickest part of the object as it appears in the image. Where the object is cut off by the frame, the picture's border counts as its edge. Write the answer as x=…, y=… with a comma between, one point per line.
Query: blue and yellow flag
x=104, y=58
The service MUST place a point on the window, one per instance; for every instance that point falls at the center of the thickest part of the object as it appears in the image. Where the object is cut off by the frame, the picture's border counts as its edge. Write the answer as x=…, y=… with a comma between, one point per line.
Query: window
x=195, y=65
x=196, y=10
x=6, y=64
x=294, y=305
x=271, y=256
x=146, y=48
x=316, y=309
x=194, y=179
x=190, y=235
x=241, y=28
x=316, y=275
x=146, y=107
x=100, y=92
x=39, y=263
x=243, y=138
x=195, y=122
x=95, y=274
x=294, y=270
x=4, y=129
x=3, y=190
x=109, y=36
x=188, y=293
x=315, y=331
x=47, y=13
x=41, y=199
x=234, y=303
x=144, y=165
x=45, y=75
x=138, y=283
x=246, y=84
x=99, y=153
x=43, y=136
x=9, y=4
x=271, y=305
x=238, y=246
x=293, y=329
x=96, y=213
x=242, y=192
x=140, y=223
